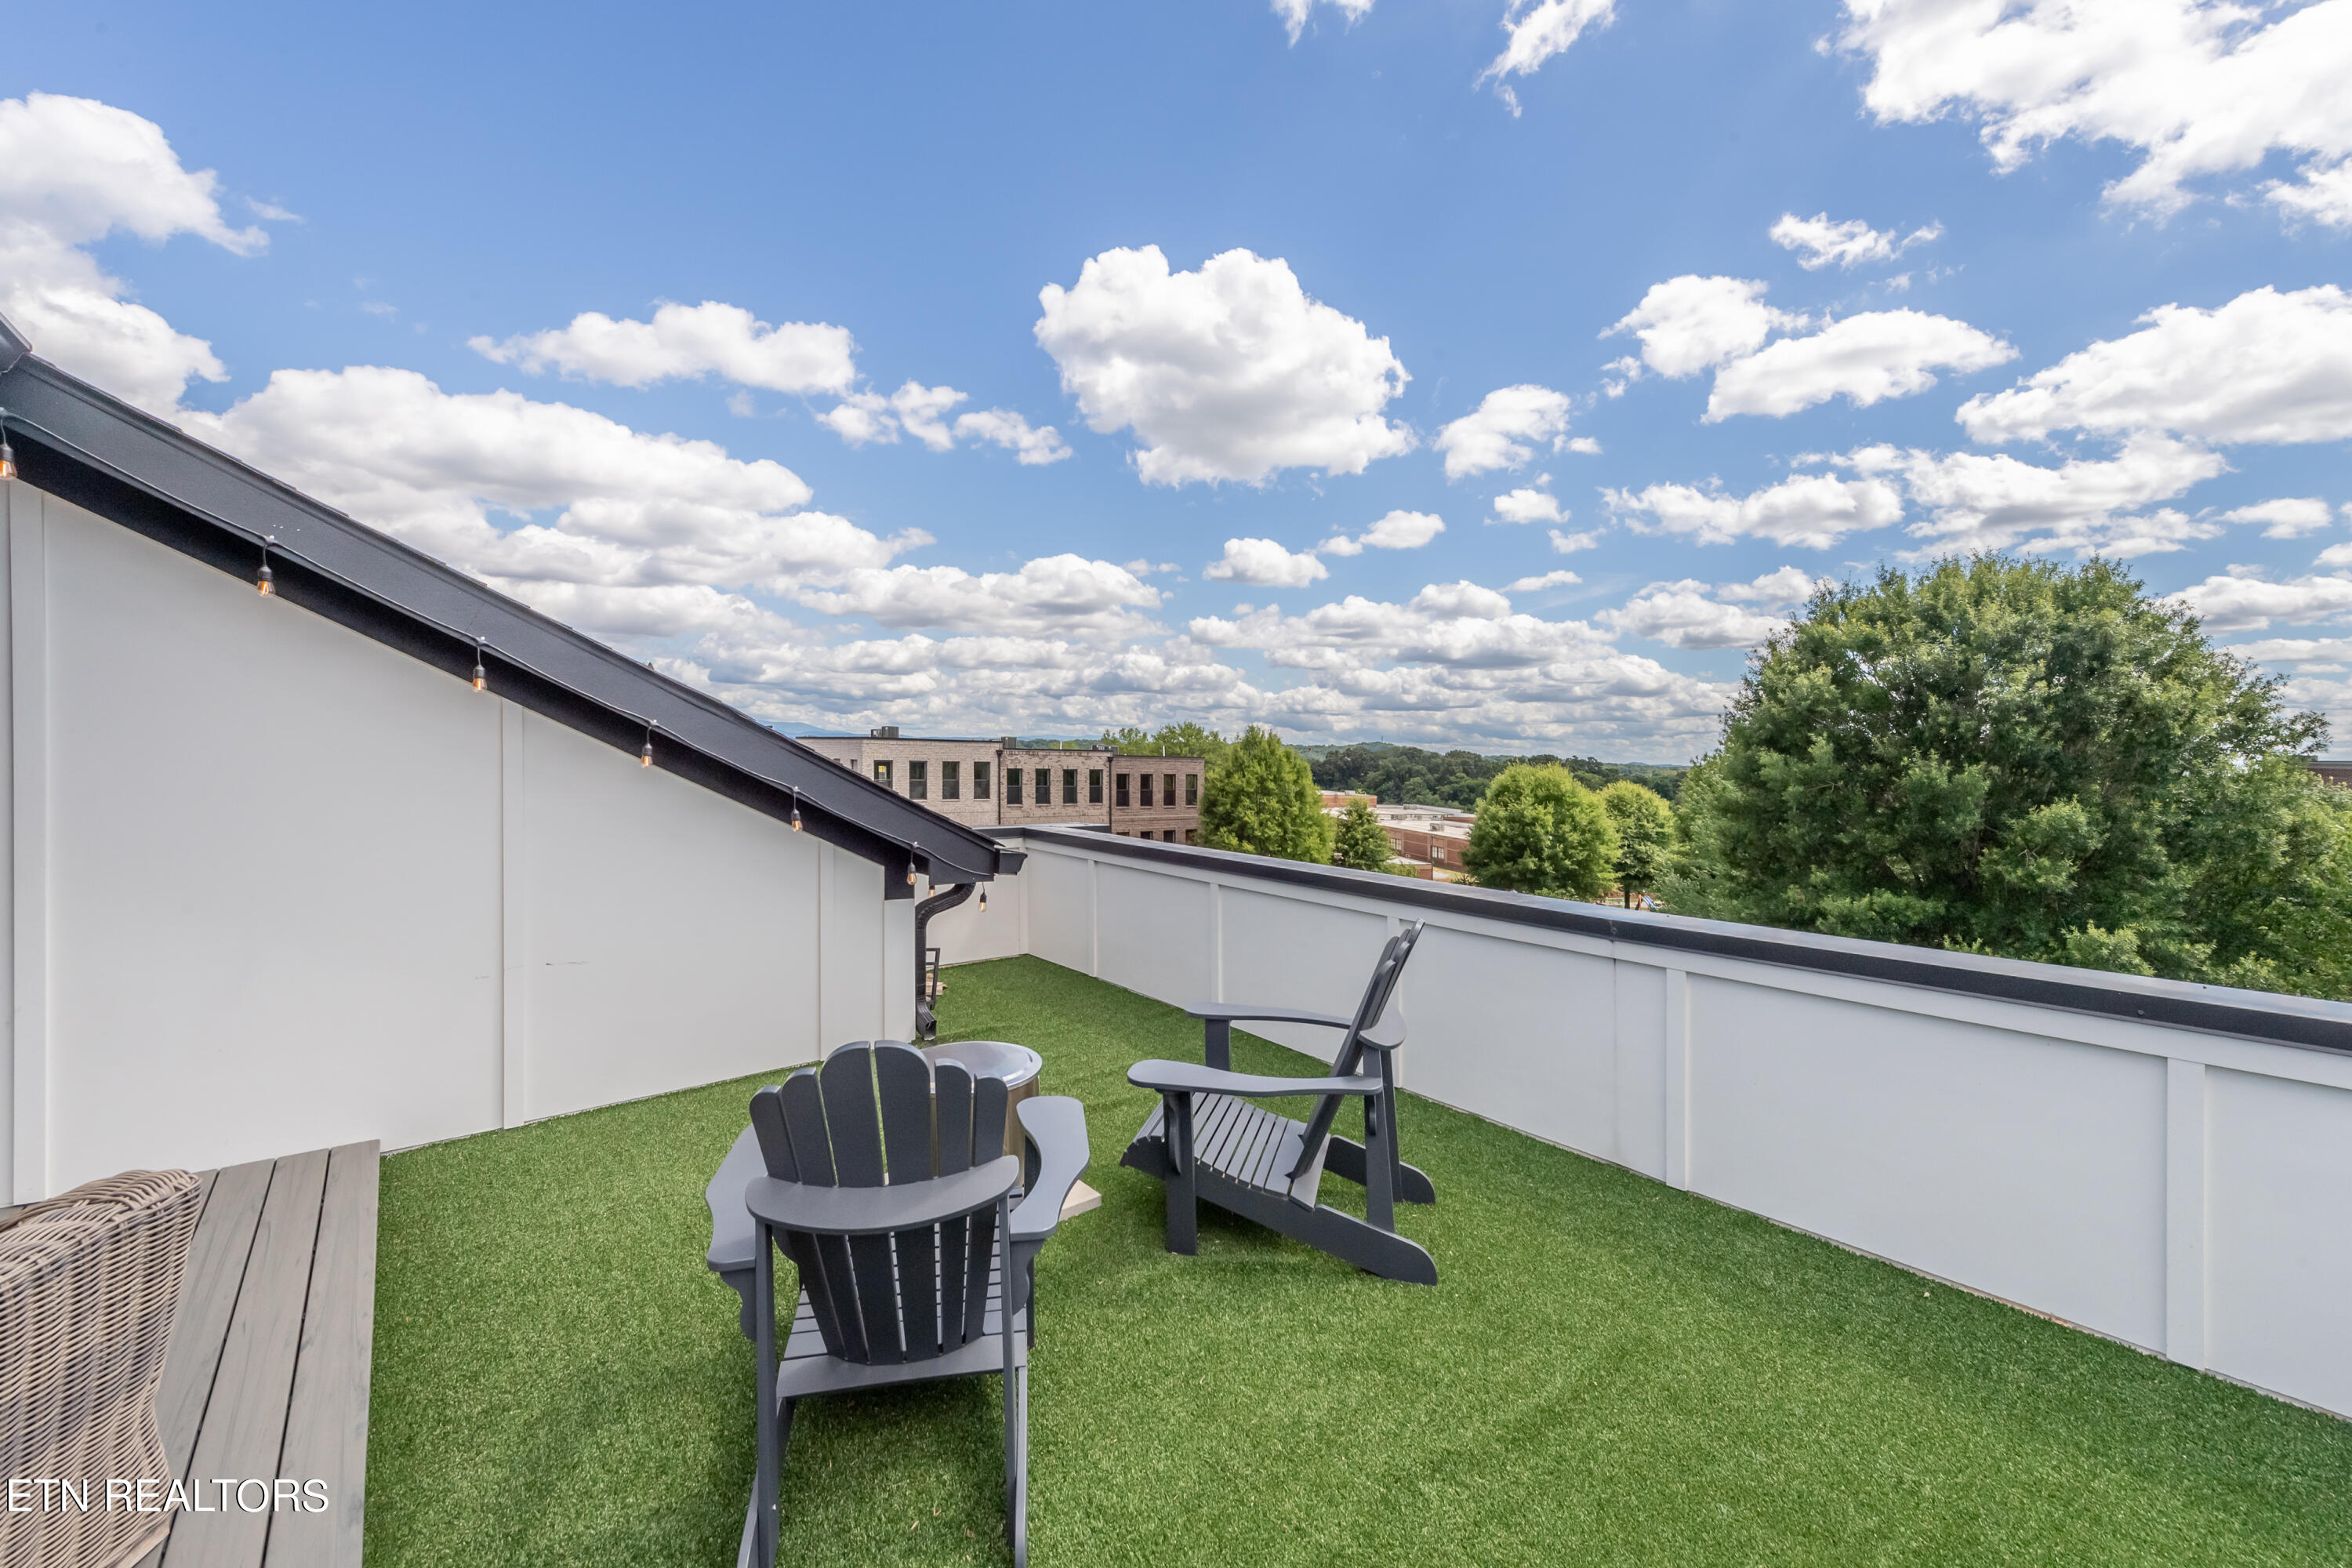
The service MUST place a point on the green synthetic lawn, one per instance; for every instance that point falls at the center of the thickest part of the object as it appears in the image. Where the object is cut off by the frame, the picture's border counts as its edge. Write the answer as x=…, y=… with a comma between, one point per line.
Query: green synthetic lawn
x=1608, y=1372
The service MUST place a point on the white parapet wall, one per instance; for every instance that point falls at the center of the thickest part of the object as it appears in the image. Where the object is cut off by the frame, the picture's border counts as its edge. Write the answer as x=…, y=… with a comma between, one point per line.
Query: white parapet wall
x=276, y=886
x=2168, y=1165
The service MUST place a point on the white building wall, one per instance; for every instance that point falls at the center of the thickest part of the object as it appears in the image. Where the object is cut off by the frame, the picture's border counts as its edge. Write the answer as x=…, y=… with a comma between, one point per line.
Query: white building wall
x=2185, y=1192
x=275, y=885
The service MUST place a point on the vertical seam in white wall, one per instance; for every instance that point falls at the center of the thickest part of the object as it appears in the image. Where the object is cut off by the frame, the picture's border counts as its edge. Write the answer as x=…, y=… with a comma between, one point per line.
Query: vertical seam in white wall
x=514, y=924
x=1094, y=917
x=2186, y=1156
x=1679, y=1151
x=1021, y=894
x=29, y=825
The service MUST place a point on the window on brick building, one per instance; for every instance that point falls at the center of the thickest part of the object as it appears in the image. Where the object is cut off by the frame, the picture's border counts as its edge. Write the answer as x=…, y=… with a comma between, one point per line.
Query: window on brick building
x=1167, y=789
x=1013, y=786
x=1147, y=791
x=919, y=783
x=980, y=781
x=1069, y=786
x=882, y=774
x=1121, y=800
x=1094, y=786
x=1191, y=789
x=950, y=784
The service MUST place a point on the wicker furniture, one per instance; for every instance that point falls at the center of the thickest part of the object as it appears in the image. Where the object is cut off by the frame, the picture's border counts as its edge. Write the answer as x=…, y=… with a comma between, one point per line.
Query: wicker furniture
x=89, y=1284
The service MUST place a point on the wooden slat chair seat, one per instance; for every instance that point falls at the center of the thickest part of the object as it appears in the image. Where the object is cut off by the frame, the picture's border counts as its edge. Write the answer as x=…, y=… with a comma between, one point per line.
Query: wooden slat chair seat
x=1206, y=1143
x=917, y=1252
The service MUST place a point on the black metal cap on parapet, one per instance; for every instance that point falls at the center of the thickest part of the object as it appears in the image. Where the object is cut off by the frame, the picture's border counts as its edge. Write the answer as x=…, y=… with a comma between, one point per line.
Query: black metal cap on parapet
x=79, y=443
x=2307, y=1022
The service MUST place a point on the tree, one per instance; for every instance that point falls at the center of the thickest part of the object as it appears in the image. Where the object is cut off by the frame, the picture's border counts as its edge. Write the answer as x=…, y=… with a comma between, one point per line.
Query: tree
x=1185, y=740
x=1361, y=842
x=1645, y=836
x=1540, y=831
x=2029, y=760
x=1262, y=800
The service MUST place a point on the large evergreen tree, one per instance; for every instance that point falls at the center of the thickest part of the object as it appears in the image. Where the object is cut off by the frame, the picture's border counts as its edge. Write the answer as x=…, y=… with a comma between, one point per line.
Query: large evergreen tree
x=2029, y=759
x=1540, y=831
x=1261, y=799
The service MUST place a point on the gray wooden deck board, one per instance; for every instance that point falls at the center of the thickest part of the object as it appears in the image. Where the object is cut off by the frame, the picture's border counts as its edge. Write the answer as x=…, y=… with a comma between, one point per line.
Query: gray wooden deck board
x=267, y=1376
x=326, y=1421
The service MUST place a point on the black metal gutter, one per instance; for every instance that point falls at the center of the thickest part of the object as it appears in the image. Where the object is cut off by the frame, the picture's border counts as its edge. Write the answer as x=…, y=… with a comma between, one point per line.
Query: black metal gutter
x=78, y=443
x=2302, y=1022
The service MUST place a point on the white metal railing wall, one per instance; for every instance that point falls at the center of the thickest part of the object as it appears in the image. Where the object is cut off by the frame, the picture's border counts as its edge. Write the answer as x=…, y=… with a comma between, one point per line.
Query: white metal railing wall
x=2184, y=1189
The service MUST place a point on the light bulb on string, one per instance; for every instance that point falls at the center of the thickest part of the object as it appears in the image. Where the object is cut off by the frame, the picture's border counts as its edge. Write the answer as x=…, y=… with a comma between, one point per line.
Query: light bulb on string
x=645, y=751
x=481, y=676
x=266, y=580
x=797, y=811
x=983, y=901
x=914, y=851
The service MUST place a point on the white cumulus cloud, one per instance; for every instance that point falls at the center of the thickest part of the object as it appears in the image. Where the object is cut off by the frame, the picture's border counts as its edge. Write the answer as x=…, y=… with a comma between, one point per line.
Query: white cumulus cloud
x=2288, y=518
x=72, y=172
x=1812, y=510
x=2198, y=89
x=1690, y=323
x=1993, y=501
x=1819, y=242
x=1295, y=13
x=1229, y=373
x=684, y=341
x=1681, y=614
x=1263, y=563
x=1398, y=530
x=1064, y=595
x=1034, y=447
x=1504, y=431
x=1789, y=585
x=1536, y=31
x=1529, y=505
x=1545, y=584
x=2265, y=367
x=1867, y=357
x=1566, y=543
x=2243, y=601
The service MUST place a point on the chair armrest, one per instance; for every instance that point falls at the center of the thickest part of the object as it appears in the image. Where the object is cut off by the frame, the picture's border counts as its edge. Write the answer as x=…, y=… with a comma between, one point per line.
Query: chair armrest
x=1187, y=1078
x=874, y=1211
x=1056, y=1126
x=1243, y=1012
x=731, y=1222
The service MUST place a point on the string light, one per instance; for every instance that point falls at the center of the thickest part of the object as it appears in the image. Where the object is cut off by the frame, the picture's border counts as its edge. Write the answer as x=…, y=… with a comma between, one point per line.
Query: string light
x=913, y=852
x=267, y=581
x=481, y=676
x=7, y=457
x=797, y=811
x=645, y=751
x=983, y=901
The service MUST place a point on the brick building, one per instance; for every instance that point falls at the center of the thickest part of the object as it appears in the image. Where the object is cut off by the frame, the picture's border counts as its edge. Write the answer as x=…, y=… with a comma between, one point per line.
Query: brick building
x=993, y=783
x=1428, y=838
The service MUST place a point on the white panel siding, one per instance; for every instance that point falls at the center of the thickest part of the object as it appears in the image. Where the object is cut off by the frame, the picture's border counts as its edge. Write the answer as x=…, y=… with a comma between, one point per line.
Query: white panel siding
x=273, y=889
x=673, y=933
x=1516, y=1033
x=1160, y=952
x=1299, y=953
x=2031, y=1168
x=276, y=885
x=1641, y=1020
x=1061, y=910
x=2278, y=1236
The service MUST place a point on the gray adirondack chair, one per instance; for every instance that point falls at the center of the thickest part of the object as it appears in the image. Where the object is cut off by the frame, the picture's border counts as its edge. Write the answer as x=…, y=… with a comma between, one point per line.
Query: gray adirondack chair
x=917, y=1249
x=1208, y=1143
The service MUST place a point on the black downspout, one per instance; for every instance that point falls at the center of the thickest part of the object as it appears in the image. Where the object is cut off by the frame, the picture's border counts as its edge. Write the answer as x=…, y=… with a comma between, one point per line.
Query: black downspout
x=927, y=1025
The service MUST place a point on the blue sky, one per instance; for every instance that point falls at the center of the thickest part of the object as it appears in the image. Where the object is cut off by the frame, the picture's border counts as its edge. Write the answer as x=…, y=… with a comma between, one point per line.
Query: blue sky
x=858, y=472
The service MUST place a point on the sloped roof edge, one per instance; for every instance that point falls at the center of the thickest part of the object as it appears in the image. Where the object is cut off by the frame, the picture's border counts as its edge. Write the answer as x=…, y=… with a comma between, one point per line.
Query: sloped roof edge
x=76, y=440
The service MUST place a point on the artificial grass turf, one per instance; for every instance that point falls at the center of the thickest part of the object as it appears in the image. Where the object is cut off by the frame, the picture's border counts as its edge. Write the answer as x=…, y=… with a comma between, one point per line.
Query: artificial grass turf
x=1609, y=1371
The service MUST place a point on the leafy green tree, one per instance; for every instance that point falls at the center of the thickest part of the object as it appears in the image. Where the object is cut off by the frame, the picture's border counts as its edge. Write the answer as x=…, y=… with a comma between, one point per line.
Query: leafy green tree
x=2023, y=759
x=1645, y=836
x=1262, y=800
x=1540, y=831
x=1185, y=740
x=1361, y=842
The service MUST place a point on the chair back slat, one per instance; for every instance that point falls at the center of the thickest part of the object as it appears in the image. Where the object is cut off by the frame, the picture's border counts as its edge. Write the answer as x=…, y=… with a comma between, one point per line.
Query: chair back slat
x=851, y=1118
x=824, y=1261
x=902, y=1078
x=951, y=1087
x=877, y=1114
x=1380, y=1004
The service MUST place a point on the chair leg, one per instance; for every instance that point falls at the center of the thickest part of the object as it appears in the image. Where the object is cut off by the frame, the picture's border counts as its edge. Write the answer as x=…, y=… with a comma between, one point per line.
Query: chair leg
x=1183, y=1207
x=764, y=1478
x=1380, y=1166
x=1016, y=1464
